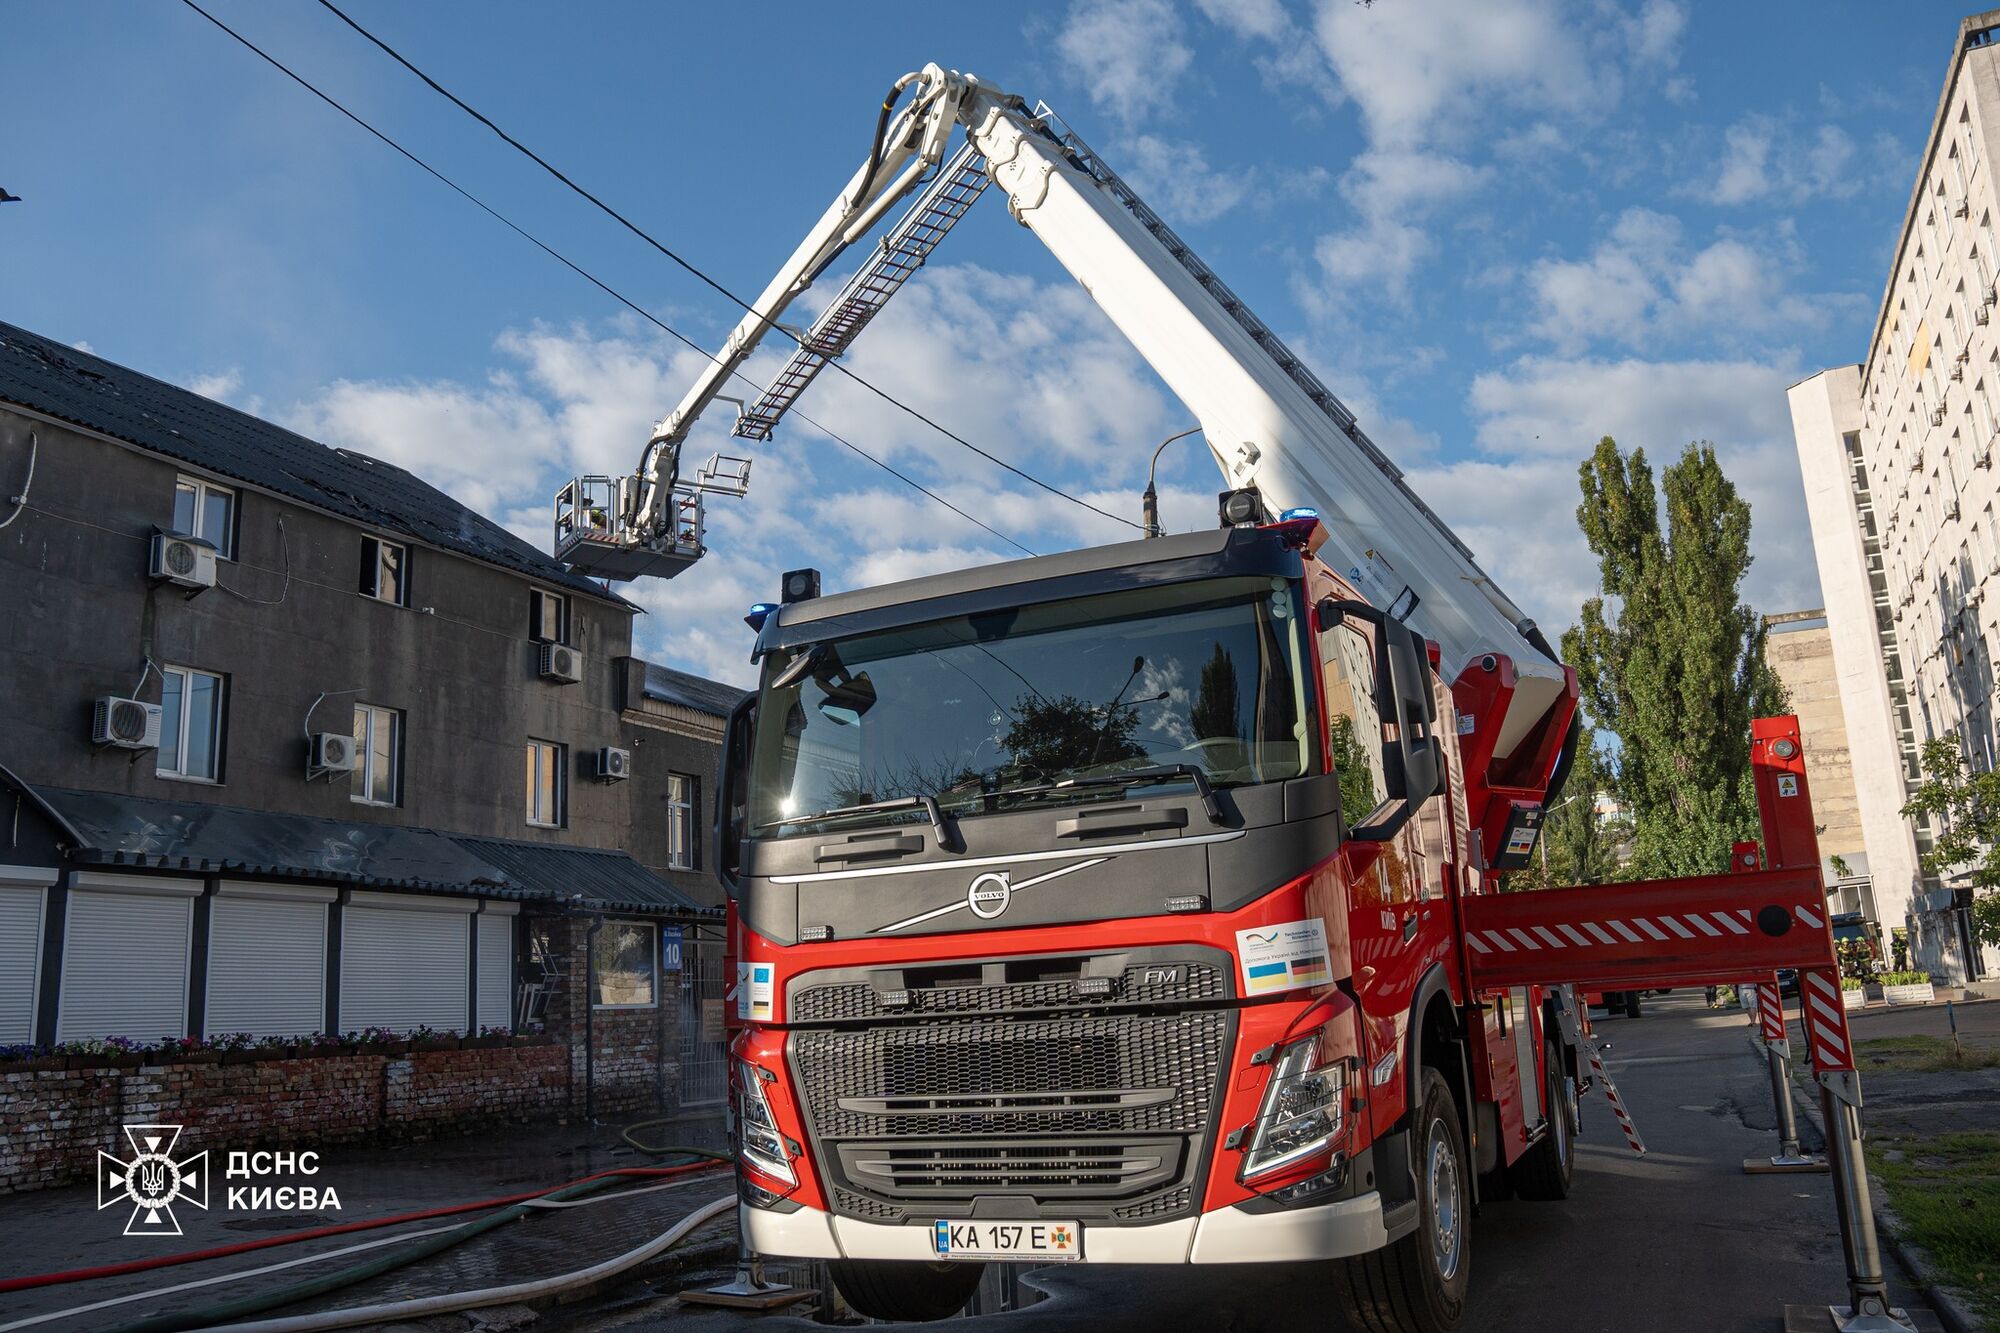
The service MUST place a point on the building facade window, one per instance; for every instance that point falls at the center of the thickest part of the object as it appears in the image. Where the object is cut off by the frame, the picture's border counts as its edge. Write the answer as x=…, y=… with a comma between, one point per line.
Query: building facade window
x=545, y=783
x=191, y=704
x=378, y=755
x=548, y=616
x=208, y=511
x=385, y=571
x=622, y=957
x=683, y=799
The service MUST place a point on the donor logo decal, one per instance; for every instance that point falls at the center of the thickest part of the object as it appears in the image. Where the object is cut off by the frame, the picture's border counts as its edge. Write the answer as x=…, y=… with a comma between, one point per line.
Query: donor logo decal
x=990, y=895
x=153, y=1181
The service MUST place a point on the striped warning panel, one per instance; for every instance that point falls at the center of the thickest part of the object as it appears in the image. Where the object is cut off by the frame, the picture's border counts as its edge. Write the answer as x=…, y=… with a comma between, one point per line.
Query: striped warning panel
x=1771, y=1012
x=1660, y=928
x=1825, y=1018
x=1617, y=1103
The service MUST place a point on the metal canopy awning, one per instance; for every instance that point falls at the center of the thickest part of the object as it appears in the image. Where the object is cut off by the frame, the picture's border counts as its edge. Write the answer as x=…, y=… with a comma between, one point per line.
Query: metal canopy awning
x=144, y=833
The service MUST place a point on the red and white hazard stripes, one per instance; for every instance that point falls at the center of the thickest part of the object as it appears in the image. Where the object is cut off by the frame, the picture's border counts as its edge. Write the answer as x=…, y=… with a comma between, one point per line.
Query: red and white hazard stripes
x=1658, y=928
x=1825, y=1020
x=1771, y=1012
x=1617, y=1102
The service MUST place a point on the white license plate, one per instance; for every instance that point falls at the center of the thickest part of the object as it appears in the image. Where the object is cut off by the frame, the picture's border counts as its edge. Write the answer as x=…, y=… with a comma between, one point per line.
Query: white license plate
x=1008, y=1240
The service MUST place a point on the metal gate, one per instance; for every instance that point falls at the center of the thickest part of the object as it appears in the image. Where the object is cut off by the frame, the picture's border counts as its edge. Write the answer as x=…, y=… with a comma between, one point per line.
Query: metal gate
x=704, y=1048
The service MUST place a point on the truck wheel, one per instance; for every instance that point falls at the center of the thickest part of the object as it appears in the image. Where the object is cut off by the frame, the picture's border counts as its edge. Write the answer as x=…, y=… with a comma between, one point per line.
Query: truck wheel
x=1631, y=1004
x=905, y=1291
x=1545, y=1170
x=1418, y=1284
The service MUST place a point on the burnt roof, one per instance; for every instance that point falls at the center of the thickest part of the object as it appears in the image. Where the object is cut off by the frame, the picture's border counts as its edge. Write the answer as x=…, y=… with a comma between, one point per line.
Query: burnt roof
x=85, y=390
x=697, y=692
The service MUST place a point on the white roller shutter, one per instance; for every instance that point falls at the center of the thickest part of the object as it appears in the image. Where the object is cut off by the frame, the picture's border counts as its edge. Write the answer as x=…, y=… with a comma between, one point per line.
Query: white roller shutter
x=23, y=898
x=267, y=961
x=404, y=962
x=496, y=966
x=125, y=958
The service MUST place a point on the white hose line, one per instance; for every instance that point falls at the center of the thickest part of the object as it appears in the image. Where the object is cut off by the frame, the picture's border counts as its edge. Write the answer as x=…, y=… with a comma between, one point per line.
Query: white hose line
x=155, y=1293
x=375, y=1244
x=424, y=1306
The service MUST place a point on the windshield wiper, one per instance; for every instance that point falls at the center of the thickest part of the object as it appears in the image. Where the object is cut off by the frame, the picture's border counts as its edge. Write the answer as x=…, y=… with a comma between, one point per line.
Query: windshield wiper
x=1132, y=777
x=942, y=831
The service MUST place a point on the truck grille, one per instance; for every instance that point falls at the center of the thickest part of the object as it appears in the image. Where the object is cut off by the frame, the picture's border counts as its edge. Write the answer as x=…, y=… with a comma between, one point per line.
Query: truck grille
x=928, y=1116
x=849, y=1001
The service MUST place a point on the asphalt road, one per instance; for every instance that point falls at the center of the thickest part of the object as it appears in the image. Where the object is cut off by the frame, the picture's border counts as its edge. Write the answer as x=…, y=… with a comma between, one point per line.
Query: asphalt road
x=1679, y=1239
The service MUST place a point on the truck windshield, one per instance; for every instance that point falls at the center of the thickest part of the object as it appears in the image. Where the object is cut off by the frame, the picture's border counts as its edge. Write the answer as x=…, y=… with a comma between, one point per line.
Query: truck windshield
x=988, y=711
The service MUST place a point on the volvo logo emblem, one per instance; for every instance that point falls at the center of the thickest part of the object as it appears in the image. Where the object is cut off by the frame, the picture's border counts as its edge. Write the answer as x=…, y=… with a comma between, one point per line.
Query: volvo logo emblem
x=989, y=895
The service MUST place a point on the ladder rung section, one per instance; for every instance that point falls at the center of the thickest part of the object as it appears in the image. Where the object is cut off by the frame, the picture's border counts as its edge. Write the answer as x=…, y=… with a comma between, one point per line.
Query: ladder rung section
x=902, y=252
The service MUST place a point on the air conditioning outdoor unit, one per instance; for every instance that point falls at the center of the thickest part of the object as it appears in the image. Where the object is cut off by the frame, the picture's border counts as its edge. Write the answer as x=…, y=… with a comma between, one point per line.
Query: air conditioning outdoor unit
x=125, y=723
x=183, y=560
x=332, y=752
x=614, y=764
x=561, y=663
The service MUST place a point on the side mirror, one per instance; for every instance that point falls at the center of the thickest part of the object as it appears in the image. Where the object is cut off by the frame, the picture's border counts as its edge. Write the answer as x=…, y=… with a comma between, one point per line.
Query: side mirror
x=1412, y=759
x=732, y=804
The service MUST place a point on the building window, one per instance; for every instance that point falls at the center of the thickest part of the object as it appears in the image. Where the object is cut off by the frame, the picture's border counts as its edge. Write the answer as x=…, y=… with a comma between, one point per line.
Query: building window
x=190, y=724
x=378, y=751
x=683, y=800
x=622, y=957
x=385, y=571
x=548, y=617
x=545, y=783
x=203, y=509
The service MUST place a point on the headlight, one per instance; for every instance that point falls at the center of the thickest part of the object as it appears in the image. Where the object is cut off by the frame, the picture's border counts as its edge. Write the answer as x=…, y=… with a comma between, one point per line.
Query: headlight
x=759, y=1141
x=1304, y=1110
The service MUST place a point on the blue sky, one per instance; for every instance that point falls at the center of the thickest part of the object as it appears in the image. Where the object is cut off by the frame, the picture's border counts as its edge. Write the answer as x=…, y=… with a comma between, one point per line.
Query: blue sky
x=1499, y=231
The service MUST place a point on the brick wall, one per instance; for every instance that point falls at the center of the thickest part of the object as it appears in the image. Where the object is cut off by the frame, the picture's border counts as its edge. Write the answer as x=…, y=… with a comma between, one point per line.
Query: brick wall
x=54, y=1122
x=634, y=1060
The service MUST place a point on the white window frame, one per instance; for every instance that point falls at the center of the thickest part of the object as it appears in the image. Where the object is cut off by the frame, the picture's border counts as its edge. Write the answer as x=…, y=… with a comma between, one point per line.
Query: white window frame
x=361, y=782
x=373, y=589
x=682, y=793
x=224, y=542
x=554, y=754
x=538, y=599
x=186, y=676
x=652, y=952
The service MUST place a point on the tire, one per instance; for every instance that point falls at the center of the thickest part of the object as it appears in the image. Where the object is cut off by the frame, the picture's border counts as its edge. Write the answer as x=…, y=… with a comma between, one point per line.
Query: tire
x=1631, y=1004
x=1545, y=1171
x=905, y=1291
x=1418, y=1284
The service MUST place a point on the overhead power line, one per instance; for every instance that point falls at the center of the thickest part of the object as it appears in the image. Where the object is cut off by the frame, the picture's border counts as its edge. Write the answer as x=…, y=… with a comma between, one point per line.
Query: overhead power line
x=578, y=269
x=705, y=278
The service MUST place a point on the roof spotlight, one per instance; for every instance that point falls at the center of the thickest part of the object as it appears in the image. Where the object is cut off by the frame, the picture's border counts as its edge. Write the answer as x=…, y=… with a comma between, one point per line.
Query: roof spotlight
x=799, y=585
x=1241, y=507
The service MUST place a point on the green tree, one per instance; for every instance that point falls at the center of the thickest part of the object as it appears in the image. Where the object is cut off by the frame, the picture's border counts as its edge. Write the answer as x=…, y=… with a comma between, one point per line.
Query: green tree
x=1671, y=661
x=1358, y=797
x=1964, y=808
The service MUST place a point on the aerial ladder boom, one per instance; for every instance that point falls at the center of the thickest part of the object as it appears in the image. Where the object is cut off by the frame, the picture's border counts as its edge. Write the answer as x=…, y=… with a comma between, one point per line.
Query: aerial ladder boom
x=1268, y=421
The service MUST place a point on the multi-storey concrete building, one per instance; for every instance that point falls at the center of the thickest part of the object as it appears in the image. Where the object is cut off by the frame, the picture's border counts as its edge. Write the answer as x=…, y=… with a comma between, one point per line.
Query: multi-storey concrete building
x=1901, y=489
x=292, y=742
x=1800, y=651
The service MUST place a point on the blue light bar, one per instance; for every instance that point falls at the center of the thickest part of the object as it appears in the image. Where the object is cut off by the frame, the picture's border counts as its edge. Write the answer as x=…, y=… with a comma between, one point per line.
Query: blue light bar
x=759, y=614
x=1303, y=511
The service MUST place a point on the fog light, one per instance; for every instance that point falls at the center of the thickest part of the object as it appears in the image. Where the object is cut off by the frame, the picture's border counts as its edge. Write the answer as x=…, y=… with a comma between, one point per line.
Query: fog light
x=1242, y=507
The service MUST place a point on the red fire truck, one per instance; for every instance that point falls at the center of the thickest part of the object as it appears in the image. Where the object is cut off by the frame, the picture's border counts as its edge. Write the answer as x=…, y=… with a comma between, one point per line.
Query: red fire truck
x=1114, y=906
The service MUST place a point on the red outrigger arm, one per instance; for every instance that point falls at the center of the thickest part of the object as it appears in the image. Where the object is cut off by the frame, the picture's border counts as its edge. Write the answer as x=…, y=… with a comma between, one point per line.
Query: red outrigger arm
x=1731, y=929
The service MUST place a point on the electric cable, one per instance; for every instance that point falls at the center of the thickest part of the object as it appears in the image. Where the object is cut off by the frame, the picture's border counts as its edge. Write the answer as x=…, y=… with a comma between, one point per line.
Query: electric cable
x=20, y=502
x=578, y=269
x=712, y=283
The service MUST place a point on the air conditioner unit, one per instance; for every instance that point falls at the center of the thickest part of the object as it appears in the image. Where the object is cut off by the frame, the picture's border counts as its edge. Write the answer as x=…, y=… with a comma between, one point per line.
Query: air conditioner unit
x=561, y=663
x=332, y=752
x=1958, y=367
x=1937, y=414
x=183, y=560
x=1960, y=207
x=614, y=764
x=125, y=723
x=1984, y=312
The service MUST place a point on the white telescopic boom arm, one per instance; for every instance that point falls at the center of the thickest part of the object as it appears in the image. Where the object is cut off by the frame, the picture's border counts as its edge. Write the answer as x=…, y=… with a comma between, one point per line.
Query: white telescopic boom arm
x=911, y=145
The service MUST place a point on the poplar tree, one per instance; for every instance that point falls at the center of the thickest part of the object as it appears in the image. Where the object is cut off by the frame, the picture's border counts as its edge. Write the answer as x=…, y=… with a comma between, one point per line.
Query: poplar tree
x=1670, y=659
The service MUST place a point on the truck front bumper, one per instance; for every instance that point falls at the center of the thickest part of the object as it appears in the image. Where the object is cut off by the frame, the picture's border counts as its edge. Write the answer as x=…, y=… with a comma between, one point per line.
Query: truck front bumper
x=1226, y=1236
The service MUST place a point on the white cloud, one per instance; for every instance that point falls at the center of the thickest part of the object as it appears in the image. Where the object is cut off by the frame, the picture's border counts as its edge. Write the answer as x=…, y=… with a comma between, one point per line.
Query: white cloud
x=1539, y=419
x=1031, y=371
x=1392, y=192
x=1767, y=158
x=1264, y=19
x=1129, y=55
x=1641, y=283
x=1175, y=177
x=220, y=386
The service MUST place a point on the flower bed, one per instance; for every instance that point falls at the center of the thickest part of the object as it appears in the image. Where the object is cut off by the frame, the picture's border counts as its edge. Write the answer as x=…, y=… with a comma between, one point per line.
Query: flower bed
x=240, y=1048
